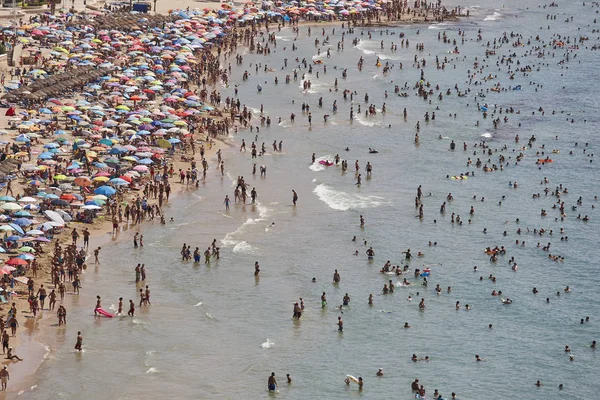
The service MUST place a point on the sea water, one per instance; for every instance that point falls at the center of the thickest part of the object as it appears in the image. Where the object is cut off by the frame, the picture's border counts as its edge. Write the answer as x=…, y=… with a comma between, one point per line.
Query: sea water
x=205, y=335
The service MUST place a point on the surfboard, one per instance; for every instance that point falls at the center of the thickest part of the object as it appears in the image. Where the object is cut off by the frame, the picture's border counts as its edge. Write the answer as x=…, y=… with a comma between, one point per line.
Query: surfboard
x=352, y=378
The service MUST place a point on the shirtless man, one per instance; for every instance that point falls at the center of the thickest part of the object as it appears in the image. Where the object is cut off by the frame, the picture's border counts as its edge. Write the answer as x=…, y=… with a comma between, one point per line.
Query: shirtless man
x=336, y=277
x=42, y=296
x=131, y=311
x=4, y=376
x=52, y=302
x=272, y=382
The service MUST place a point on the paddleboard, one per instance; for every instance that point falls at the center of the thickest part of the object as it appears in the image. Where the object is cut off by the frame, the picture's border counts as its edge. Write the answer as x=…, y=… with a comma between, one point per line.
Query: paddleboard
x=102, y=312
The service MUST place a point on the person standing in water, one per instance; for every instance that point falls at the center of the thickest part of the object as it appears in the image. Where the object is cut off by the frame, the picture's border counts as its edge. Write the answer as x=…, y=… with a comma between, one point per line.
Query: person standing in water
x=79, y=342
x=294, y=197
x=256, y=268
x=272, y=382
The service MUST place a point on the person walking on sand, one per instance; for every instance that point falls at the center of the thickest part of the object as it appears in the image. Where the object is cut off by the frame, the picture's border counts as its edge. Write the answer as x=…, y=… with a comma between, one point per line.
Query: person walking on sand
x=5, y=341
x=13, y=325
x=9, y=188
x=79, y=342
x=4, y=376
x=86, y=238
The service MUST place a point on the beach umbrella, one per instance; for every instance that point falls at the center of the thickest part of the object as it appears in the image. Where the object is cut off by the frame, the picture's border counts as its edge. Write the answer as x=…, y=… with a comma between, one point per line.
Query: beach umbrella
x=91, y=207
x=26, y=249
x=32, y=207
x=59, y=202
x=17, y=228
x=22, y=213
x=105, y=190
x=6, y=228
x=27, y=199
x=23, y=221
x=119, y=182
x=35, y=232
x=12, y=238
x=10, y=206
x=26, y=256
x=16, y=261
x=83, y=181
x=7, y=198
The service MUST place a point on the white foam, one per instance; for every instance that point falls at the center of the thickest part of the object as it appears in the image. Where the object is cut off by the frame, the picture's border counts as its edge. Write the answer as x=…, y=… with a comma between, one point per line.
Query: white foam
x=268, y=344
x=230, y=239
x=152, y=370
x=243, y=247
x=209, y=315
x=363, y=121
x=363, y=44
x=487, y=135
x=343, y=201
x=362, y=47
x=493, y=17
x=441, y=25
x=316, y=167
x=198, y=304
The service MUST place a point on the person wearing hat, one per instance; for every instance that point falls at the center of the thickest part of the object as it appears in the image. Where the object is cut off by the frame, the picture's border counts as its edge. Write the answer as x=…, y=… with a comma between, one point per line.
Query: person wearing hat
x=4, y=377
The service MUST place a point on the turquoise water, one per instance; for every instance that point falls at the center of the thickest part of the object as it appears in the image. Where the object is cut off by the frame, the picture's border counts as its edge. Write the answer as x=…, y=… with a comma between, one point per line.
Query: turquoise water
x=180, y=348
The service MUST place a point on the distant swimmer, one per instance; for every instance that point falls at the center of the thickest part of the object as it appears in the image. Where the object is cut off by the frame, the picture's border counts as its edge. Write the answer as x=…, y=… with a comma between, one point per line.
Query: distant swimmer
x=372, y=151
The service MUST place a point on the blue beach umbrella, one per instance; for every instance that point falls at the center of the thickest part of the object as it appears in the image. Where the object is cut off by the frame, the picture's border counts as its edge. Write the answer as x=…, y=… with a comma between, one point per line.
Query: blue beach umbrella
x=105, y=190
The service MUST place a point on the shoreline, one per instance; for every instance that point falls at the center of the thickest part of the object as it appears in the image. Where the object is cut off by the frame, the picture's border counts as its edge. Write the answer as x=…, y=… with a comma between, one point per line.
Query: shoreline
x=33, y=343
